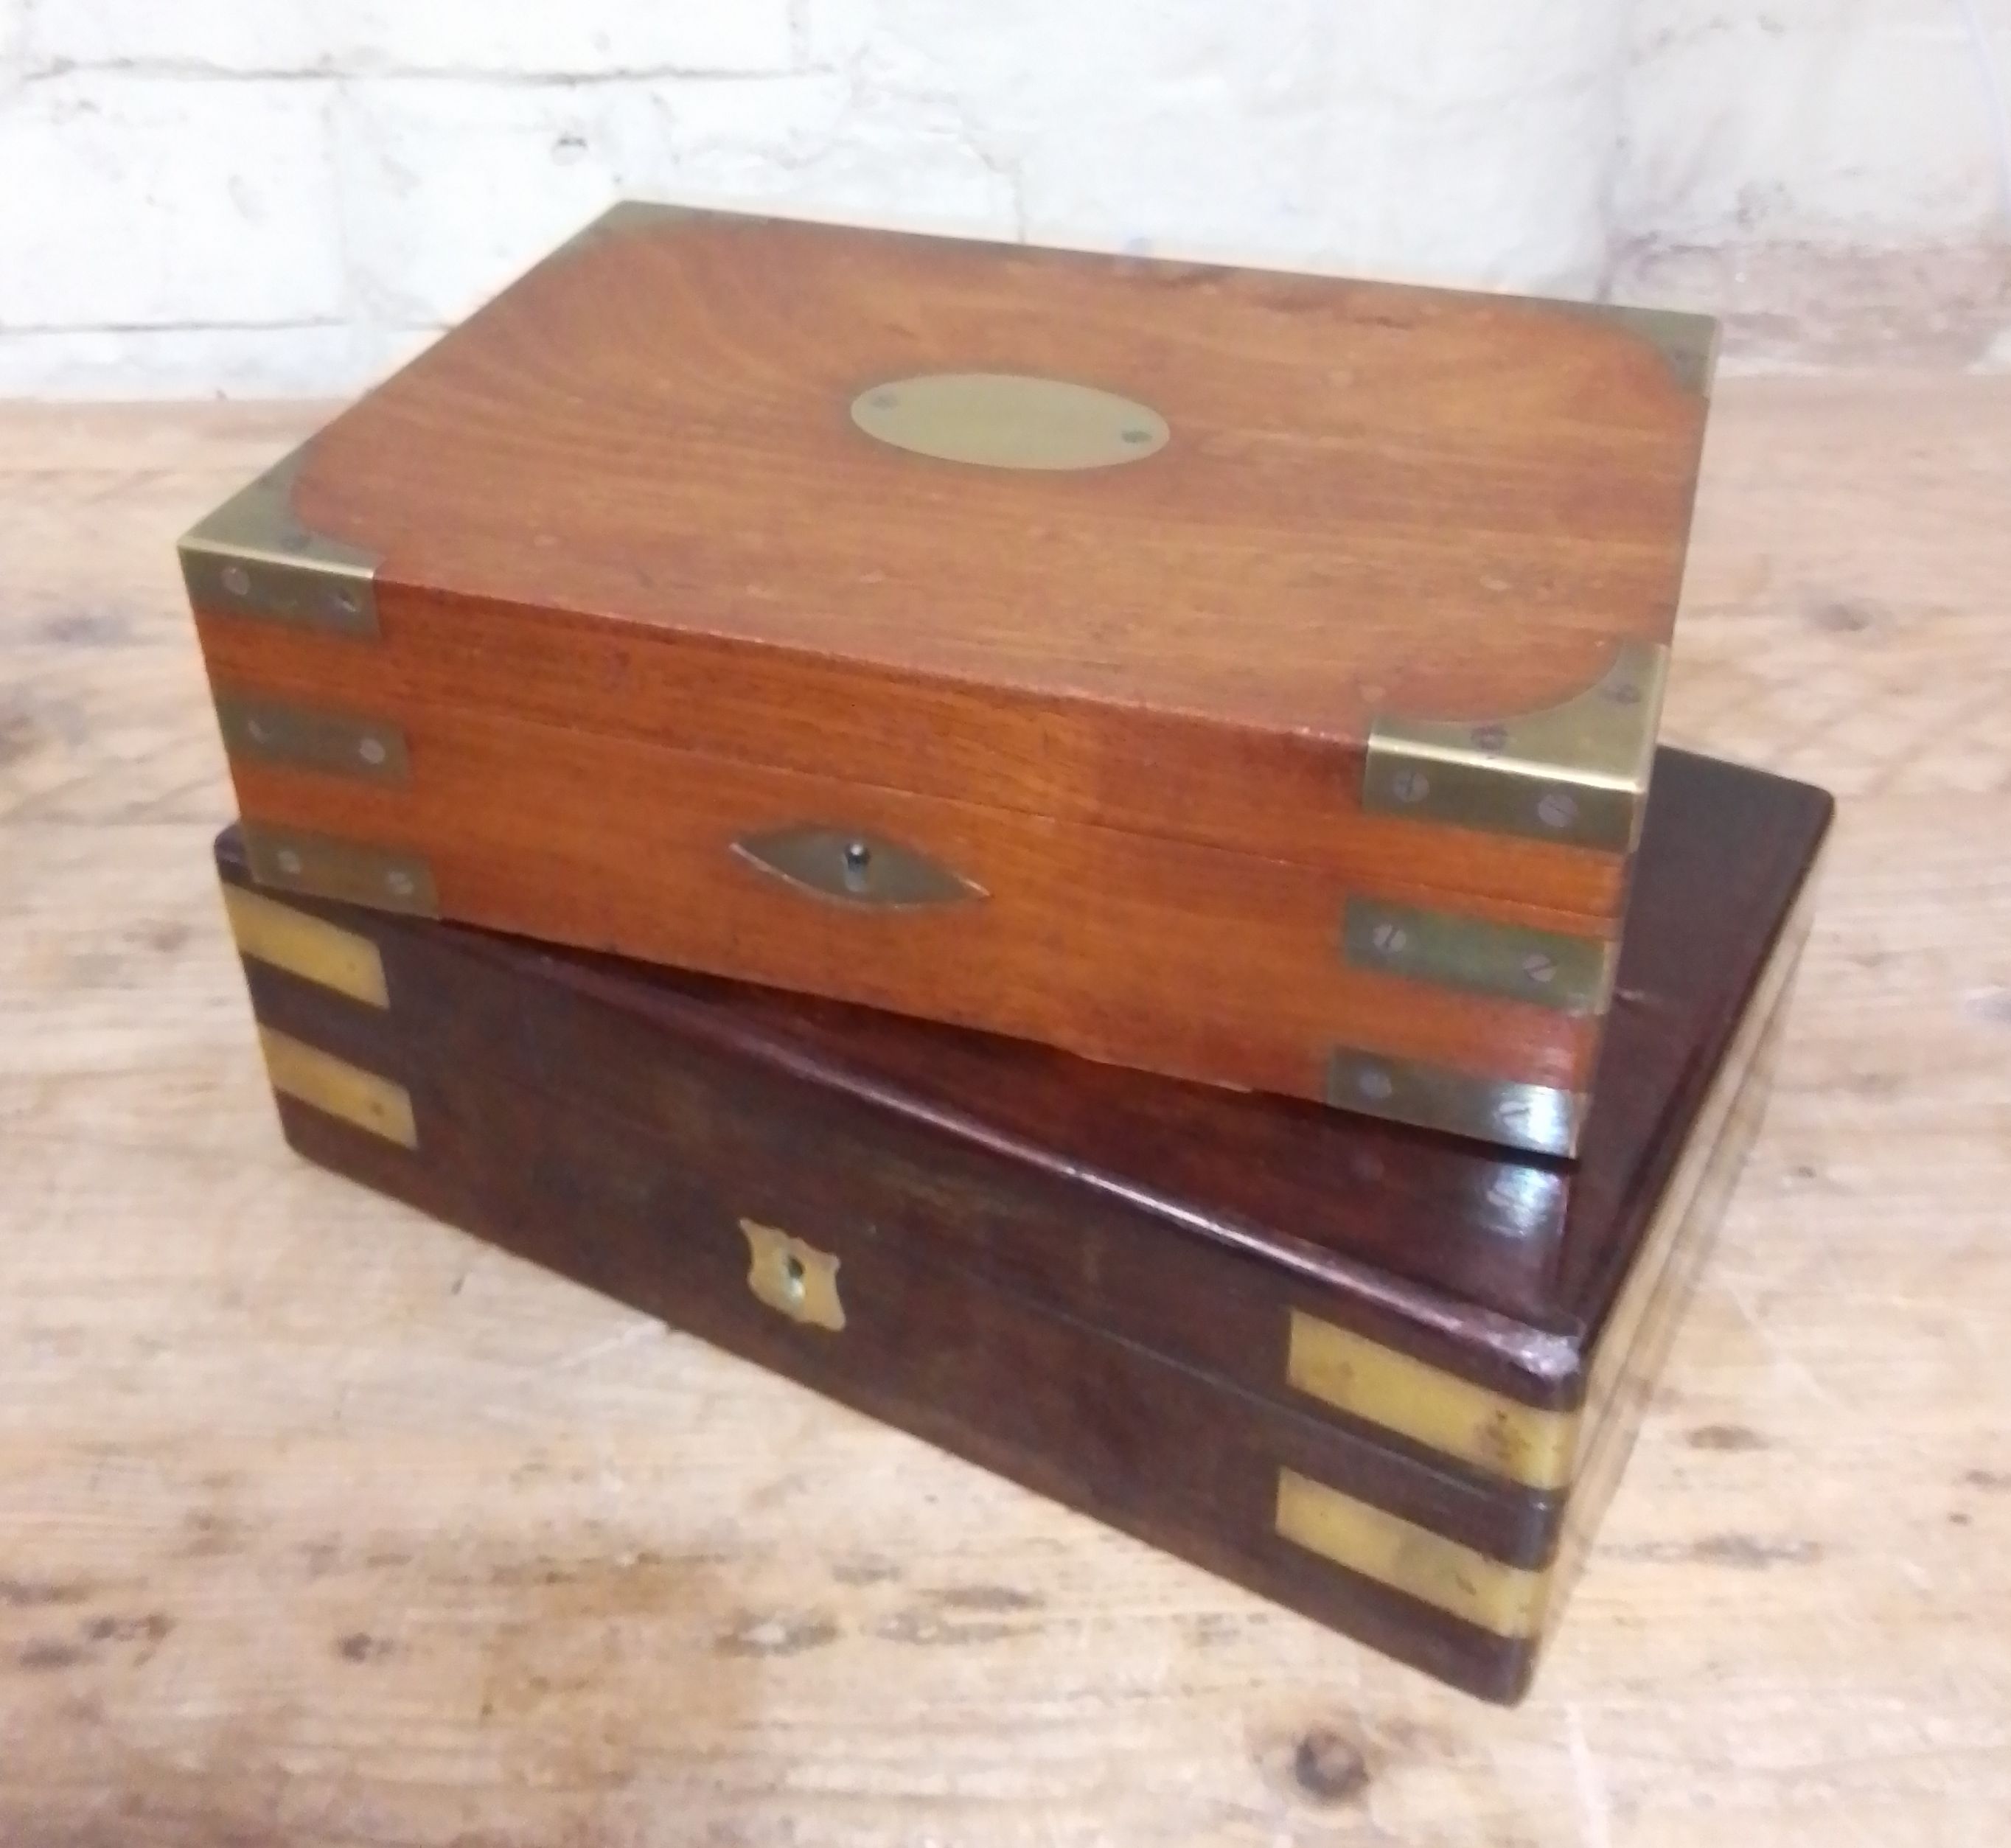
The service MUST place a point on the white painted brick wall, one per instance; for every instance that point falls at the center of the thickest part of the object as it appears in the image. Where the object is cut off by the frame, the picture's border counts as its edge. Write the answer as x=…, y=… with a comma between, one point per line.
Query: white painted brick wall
x=1861, y=121
x=267, y=196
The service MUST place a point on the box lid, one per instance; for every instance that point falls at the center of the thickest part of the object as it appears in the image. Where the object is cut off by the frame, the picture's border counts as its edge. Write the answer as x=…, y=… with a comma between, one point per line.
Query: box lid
x=1337, y=571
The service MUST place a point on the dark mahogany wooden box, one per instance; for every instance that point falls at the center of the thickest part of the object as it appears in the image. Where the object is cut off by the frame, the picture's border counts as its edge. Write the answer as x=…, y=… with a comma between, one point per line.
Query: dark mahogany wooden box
x=1247, y=677
x=1385, y=1376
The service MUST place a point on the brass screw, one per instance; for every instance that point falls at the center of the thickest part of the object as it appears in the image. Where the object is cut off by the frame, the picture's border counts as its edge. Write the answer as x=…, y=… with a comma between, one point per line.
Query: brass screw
x=1490, y=738
x=372, y=750
x=1539, y=967
x=1391, y=939
x=1375, y=1082
x=399, y=883
x=1558, y=809
x=1410, y=785
x=288, y=862
x=237, y=580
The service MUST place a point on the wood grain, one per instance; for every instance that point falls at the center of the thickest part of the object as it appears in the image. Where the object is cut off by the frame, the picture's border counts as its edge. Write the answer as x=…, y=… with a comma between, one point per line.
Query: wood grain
x=644, y=588
x=1181, y=1217
x=323, y=1525
x=654, y=428
x=1153, y=954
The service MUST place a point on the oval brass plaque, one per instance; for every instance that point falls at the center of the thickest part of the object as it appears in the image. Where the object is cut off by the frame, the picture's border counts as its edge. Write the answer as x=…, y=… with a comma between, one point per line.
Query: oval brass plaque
x=1006, y=420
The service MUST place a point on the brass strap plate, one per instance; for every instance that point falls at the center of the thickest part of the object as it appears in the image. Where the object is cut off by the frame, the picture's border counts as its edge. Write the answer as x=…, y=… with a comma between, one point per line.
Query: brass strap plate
x=253, y=558
x=303, y=738
x=1538, y=1117
x=793, y=1278
x=1576, y=773
x=856, y=867
x=1508, y=1600
x=311, y=947
x=1572, y=975
x=324, y=867
x=312, y=1076
x=1009, y=420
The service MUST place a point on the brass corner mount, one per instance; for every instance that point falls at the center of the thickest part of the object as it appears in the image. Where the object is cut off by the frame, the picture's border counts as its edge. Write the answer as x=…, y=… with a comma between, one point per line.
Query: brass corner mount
x=252, y=557
x=1576, y=773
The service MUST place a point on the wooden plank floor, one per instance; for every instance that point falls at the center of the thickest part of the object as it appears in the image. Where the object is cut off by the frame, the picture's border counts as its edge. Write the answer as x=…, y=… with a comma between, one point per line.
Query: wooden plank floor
x=320, y=1525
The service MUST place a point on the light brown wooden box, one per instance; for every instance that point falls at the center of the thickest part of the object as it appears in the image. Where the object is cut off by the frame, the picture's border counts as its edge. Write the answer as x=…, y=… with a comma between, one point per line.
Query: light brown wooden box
x=1239, y=675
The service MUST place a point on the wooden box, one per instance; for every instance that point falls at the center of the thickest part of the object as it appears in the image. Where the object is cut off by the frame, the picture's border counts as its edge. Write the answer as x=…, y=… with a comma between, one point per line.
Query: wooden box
x=1385, y=1376
x=1247, y=677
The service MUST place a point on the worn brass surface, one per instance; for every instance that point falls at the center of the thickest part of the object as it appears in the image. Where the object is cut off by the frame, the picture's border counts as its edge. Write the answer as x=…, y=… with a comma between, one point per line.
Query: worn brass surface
x=856, y=867
x=1537, y=1117
x=324, y=867
x=1428, y=1406
x=313, y=1077
x=793, y=1278
x=303, y=738
x=253, y=558
x=1007, y=420
x=1573, y=974
x=1576, y=773
x=311, y=947
x=1508, y=1600
x=1687, y=343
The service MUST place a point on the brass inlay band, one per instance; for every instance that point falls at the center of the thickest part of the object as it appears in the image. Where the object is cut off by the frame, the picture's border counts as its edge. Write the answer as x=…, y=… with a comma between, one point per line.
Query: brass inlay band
x=793, y=1278
x=1510, y=1600
x=1430, y=1406
x=304, y=737
x=1505, y=1599
x=323, y=866
x=1546, y=968
x=1009, y=420
x=1576, y=773
x=311, y=947
x=253, y=558
x=1542, y=1118
x=1537, y=1448
x=312, y=1076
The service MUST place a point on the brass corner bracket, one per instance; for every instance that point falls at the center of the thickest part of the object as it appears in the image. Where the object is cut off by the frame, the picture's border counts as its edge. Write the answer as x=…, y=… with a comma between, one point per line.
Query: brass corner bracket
x=1687, y=343
x=1576, y=773
x=253, y=558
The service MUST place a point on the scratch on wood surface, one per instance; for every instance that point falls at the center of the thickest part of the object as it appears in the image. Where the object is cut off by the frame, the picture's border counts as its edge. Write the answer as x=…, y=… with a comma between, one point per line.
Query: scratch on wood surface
x=1595, y=1811
x=1785, y=1362
x=627, y=1337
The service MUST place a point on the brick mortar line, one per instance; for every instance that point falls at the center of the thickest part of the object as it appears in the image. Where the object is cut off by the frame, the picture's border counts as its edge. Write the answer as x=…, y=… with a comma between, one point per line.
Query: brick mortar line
x=186, y=71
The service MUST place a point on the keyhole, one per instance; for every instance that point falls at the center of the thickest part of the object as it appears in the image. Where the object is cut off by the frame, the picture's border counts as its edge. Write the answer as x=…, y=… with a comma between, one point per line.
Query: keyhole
x=858, y=866
x=792, y=1276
